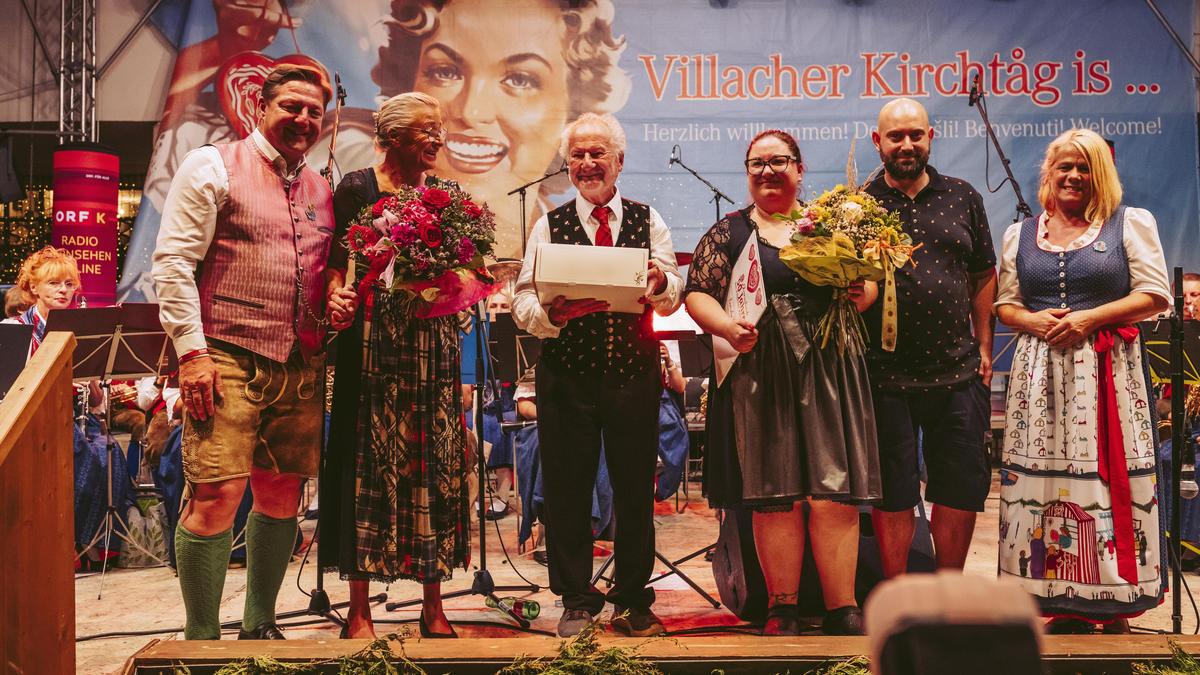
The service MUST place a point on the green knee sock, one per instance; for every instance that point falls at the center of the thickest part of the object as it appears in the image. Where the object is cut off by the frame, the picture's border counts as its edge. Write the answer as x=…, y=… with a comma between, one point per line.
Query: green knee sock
x=201, y=563
x=269, y=543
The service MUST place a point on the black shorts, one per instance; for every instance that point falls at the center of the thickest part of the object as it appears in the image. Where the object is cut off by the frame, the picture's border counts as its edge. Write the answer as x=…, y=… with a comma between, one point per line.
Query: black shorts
x=952, y=425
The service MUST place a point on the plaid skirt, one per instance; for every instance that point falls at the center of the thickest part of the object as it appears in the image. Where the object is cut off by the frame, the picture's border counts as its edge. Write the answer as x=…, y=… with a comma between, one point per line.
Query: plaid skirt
x=411, y=514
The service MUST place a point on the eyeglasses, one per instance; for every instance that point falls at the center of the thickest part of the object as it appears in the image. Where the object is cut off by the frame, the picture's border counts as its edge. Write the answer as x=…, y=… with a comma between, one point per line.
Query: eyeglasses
x=433, y=134
x=778, y=164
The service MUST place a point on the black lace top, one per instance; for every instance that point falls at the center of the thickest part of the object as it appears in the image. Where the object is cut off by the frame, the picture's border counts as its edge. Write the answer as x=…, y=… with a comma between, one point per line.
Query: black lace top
x=718, y=250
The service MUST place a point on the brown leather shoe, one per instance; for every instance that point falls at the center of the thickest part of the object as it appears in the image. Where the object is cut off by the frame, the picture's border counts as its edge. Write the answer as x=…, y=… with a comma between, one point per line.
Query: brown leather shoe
x=636, y=622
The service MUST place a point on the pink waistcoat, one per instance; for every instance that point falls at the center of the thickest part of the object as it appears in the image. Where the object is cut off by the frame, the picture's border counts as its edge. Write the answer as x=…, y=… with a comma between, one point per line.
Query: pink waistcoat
x=269, y=235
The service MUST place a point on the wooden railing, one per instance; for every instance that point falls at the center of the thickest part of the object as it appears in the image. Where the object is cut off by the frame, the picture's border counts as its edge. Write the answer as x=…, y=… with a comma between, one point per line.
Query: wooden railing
x=37, y=525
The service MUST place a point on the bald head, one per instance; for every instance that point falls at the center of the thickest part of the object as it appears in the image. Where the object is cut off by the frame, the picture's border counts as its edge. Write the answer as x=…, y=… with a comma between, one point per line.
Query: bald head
x=903, y=138
x=902, y=111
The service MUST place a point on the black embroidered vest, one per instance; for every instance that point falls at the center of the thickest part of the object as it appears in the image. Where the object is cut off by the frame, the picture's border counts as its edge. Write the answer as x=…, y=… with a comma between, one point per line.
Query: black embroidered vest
x=617, y=344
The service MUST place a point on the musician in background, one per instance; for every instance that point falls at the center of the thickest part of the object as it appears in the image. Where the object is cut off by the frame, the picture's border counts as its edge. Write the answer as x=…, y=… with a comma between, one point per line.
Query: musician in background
x=1191, y=295
x=673, y=442
x=47, y=280
x=598, y=383
x=14, y=302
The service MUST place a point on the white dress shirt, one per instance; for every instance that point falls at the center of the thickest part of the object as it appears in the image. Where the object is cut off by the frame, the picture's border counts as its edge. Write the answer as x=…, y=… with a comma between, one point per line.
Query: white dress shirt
x=189, y=222
x=1147, y=265
x=527, y=310
x=147, y=393
x=170, y=396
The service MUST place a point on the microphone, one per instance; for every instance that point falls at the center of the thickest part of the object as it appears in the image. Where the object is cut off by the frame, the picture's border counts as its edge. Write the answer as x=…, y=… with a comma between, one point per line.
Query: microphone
x=976, y=91
x=561, y=169
x=339, y=93
x=674, y=157
x=339, y=90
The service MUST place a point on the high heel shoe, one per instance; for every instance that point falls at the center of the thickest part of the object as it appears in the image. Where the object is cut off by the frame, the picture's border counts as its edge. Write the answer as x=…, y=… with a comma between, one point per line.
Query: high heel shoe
x=426, y=633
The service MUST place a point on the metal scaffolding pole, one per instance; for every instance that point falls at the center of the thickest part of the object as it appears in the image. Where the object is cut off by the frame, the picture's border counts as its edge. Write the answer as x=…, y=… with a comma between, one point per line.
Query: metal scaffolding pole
x=77, y=62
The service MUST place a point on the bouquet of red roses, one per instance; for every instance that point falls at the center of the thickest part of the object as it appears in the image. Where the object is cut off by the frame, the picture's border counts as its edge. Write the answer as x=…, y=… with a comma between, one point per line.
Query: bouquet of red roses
x=428, y=243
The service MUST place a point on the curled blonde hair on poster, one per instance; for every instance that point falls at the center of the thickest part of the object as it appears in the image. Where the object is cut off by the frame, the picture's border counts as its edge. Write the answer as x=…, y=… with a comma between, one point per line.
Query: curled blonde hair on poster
x=590, y=50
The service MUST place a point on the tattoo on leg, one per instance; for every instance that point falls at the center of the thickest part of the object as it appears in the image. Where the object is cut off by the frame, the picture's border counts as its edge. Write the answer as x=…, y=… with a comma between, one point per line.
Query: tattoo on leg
x=783, y=598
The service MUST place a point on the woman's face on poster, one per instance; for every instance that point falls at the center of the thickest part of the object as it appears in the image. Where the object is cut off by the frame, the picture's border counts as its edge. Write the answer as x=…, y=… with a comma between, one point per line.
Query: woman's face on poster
x=498, y=71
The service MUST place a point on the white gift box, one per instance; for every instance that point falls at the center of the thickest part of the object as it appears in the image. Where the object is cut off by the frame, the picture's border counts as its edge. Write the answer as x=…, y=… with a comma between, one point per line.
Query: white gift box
x=611, y=273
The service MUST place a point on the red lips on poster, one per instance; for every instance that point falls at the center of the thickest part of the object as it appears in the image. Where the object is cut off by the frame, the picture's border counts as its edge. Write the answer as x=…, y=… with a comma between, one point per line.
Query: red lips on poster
x=86, y=176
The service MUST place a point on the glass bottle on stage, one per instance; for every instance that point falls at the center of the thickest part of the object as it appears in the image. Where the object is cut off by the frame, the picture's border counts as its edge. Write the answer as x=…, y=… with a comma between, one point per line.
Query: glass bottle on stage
x=526, y=608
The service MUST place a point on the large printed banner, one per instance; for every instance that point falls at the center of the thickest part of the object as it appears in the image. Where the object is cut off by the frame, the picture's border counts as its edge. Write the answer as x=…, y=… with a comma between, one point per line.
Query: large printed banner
x=688, y=73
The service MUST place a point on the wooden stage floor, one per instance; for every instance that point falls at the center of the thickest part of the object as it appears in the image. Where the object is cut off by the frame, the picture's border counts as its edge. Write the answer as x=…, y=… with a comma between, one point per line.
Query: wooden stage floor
x=148, y=600
x=730, y=654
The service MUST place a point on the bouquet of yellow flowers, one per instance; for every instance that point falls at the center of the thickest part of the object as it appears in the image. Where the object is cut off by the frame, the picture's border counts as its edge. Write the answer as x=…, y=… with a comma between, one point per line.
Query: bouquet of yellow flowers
x=841, y=237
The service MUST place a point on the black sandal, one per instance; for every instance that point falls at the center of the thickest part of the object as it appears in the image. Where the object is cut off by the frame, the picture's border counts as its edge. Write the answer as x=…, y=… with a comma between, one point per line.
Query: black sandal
x=782, y=619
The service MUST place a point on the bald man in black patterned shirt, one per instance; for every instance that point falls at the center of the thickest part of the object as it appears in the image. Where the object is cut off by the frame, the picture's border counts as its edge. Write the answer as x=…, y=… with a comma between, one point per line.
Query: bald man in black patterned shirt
x=933, y=389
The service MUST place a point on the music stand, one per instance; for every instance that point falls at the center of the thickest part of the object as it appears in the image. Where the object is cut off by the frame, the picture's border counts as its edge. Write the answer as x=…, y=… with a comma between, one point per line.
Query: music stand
x=14, y=352
x=1157, y=334
x=513, y=350
x=1170, y=344
x=122, y=342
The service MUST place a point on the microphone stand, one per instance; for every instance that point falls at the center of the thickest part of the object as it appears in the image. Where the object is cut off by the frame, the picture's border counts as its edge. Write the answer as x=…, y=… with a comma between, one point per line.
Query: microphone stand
x=1178, y=427
x=521, y=191
x=340, y=98
x=977, y=97
x=318, y=598
x=717, y=194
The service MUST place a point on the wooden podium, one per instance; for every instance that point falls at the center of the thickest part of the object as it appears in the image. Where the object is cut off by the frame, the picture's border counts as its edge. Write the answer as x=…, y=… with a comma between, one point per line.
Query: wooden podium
x=37, y=577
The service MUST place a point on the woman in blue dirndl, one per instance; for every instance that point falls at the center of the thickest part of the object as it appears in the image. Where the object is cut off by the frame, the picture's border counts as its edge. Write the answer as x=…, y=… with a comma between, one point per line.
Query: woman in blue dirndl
x=1079, y=503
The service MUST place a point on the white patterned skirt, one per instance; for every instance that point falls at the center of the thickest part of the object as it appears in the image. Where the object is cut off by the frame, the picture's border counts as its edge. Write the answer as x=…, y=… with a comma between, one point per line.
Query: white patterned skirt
x=1057, y=536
